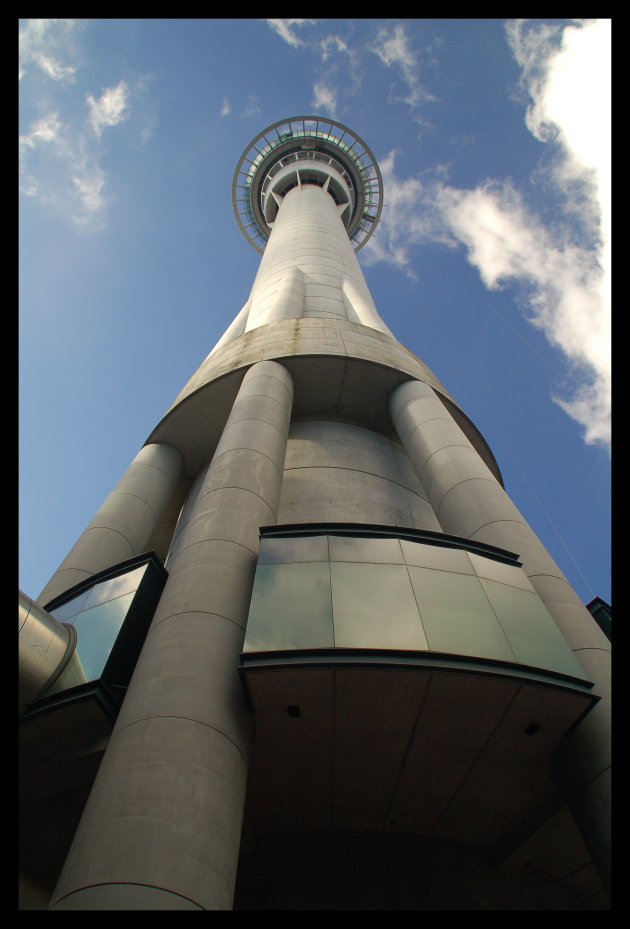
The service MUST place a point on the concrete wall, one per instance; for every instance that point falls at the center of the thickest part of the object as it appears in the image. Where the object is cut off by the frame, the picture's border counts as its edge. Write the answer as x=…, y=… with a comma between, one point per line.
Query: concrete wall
x=338, y=472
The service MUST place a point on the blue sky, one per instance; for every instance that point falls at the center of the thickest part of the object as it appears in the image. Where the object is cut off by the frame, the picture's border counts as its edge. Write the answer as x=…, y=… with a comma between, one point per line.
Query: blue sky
x=490, y=262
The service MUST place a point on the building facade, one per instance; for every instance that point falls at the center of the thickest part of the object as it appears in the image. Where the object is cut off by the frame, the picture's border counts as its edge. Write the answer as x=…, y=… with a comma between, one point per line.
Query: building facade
x=308, y=654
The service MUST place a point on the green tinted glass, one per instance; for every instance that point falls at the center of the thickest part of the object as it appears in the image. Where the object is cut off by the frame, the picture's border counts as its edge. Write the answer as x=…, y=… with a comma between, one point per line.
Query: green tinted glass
x=439, y=557
x=286, y=551
x=457, y=616
x=96, y=633
x=533, y=636
x=386, y=551
x=114, y=587
x=290, y=608
x=374, y=607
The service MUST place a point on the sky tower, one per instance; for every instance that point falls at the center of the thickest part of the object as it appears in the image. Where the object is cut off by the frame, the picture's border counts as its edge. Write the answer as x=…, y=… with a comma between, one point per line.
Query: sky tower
x=308, y=654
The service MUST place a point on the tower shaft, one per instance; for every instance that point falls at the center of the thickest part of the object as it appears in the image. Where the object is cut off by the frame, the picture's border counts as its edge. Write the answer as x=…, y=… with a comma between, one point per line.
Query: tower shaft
x=359, y=631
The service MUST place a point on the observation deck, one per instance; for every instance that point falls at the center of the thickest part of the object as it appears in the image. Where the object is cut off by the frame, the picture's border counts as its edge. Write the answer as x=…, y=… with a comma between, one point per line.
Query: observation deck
x=307, y=150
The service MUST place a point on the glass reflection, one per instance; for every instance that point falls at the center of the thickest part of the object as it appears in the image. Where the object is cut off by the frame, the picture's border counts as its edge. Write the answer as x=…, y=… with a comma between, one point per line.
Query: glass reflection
x=438, y=557
x=97, y=629
x=530, y=630
x=114, y=587
x=385, y=551
x=284, y=551
x=290, y=608
x=66, y=611
x=498, y=571
x=374, y=607
x=457, y=616
x=387, y=593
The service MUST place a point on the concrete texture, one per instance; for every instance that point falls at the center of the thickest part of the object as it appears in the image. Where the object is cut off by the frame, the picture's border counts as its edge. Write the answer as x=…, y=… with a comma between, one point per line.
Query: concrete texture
x=309, y=410
x=167, y=805
x=126, y=520
x=469, y=502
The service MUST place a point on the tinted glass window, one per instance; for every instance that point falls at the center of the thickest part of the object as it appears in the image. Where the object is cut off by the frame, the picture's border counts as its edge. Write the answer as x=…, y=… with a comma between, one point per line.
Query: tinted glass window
x=387, y=551
x=533, y=636
x=457, y=616
x=283, y=551
x=374, y=607
x=96, y=633
x=290, y=608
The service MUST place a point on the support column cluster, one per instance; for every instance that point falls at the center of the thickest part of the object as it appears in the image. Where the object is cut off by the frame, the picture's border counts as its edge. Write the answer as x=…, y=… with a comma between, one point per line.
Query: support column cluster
x=162, y=826
x=468, y=501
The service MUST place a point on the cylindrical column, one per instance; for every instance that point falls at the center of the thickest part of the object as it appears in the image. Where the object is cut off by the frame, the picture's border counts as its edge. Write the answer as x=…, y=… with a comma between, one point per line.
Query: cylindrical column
x=309, y=237
x=468, y=501
x=124, y=523
x=46, y=649
x=162, y=826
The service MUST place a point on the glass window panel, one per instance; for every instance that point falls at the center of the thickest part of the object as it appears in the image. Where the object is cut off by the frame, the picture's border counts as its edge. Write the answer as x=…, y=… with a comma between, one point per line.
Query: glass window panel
x=115, y=587
x=290, y=608
x=385, y=551
x=67, y=612
x=531, y=632
x=436, y=556
x=374, y=607
x=457, y=616
x=96, y=633
x=284, y=551
x=497, y=571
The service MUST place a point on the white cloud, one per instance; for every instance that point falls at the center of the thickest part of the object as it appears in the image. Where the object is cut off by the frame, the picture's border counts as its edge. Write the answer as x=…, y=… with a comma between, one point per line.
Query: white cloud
x=563, y=271
x=226, y=108
x=44, y=130
x=324, y=99
x=88, y=183
x=563, y=284
x=40, y=42
x=60, y=160
x=331, y=44
x=411, y=216
x=566, y=72
x=110, y=109
x=394, y=50
x=285, y=29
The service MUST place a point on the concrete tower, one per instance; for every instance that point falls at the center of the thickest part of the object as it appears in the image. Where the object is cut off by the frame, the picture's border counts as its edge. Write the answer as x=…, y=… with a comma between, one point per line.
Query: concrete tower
x=308, y=654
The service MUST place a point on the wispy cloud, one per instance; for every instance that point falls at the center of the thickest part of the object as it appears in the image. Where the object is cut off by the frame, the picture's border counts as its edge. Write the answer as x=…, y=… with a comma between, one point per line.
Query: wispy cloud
x=110, y=109
x=226, y=109
x=41, y=43
x=60, y=155
x=410, y=217
x=253, y=106
x=286, y=29
x=331, y=44
x=393, y=47
x=324, y=99
x=563, y=271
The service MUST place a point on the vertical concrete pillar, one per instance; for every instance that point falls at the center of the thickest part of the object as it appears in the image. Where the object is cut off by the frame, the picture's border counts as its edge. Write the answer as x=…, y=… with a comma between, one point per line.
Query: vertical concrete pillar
x=45, y=647
x=309, y=267
x=124, y=523
x=162, y=826
x=468, y=501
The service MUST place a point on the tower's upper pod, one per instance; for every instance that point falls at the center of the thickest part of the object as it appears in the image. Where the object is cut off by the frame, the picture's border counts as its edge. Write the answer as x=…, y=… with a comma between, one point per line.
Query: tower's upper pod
x=307, y=150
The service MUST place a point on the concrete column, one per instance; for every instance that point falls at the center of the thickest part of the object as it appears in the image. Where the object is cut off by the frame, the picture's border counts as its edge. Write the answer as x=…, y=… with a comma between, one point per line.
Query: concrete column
x=468, y=501
x=235, y=329
x=309, y=267
x=162, y=826
x=361, y=307
x=124, y=523
x=46, y=650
